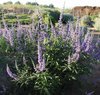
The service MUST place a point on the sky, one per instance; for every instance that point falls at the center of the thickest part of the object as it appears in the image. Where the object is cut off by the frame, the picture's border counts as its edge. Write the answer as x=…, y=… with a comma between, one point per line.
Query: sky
x=60, y=3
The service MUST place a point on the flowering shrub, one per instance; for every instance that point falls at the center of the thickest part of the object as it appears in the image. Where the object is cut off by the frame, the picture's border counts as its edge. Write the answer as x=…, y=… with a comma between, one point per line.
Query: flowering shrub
x=54, y=58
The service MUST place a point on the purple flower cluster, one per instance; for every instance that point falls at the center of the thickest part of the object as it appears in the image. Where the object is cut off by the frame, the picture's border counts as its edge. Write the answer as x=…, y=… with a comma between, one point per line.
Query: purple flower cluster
x=70, y=32
x=41, y=60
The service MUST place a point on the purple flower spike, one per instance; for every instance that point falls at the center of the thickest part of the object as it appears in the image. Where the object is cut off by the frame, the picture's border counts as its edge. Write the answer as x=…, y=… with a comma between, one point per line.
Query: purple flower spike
x=14, y=76
x=39, y=53
x=30, y=34
x=75, y=57
x=53, y=29
x=87, y=42
x=41, y=61
x=42, y=65
x=11, y=40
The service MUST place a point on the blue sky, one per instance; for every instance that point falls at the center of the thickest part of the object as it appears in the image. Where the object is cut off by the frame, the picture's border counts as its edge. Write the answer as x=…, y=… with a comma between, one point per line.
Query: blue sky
x=60, y=3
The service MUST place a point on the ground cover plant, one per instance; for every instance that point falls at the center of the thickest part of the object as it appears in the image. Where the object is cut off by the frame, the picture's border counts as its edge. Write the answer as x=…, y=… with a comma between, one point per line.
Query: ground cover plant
x=48, y=59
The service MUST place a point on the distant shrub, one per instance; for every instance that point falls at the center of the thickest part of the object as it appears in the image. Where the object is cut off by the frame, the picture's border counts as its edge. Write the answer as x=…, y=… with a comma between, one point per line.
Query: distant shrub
x=51, y=6
x=10, y=16
x=34, y=3
x=48, y=15
x=45, y=6
x=11, y=19
x=9, y=2
x=66, y=18
x=18, y=2
x=97, y=23
x=25, y=21
x=87, y=21
x=28, y=3
x=54, y=16
x=23, y=16
x=93, y=17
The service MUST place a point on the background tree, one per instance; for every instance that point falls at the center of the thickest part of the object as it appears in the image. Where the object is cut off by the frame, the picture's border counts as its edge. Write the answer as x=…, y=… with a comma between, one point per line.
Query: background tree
x=9, y=2
x=34, y=3
x=28, y=3
x=18, y=2
x=51, y=6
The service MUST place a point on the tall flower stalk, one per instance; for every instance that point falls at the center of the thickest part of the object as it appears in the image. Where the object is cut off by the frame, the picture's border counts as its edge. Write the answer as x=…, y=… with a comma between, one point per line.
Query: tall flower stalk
x=41, y=60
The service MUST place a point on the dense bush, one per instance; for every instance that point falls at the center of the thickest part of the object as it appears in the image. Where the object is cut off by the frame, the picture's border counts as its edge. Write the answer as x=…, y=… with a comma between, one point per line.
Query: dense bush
x=54, y=16
x=66, y=18
x=48, y=60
